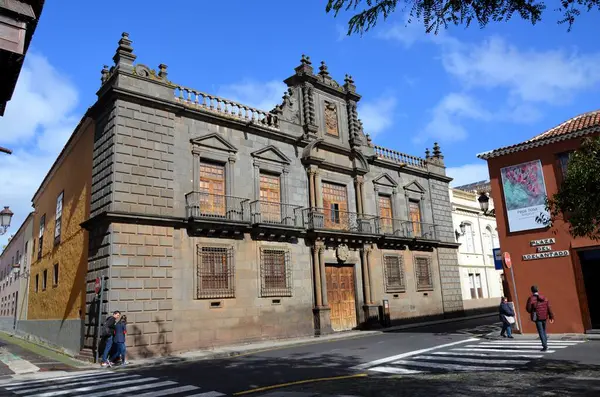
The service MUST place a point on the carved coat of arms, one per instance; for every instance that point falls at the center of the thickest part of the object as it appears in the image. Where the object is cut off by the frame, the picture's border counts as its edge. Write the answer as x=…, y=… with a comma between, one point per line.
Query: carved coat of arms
x=342, y=252
x=331, y=120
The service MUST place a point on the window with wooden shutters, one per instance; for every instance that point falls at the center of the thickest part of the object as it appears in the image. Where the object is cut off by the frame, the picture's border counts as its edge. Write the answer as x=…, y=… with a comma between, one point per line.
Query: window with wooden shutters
x=215, y=273
x=385, y=214
x=414, y=213
x=58, y=222
x=423, y=273
x=41, y=235
x=270, y=198
x=276, y=272
x=394, y=273
x=335, y=205
x=212, y=189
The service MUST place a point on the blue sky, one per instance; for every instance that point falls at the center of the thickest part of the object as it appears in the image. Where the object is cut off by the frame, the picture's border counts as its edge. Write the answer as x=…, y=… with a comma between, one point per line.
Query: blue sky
x=469, y=89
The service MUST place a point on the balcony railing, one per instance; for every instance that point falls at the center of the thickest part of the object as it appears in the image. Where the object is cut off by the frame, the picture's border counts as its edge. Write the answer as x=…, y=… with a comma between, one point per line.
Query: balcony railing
x=200, y=205
x=274, y=213
x=330, y=219
x=407, y=229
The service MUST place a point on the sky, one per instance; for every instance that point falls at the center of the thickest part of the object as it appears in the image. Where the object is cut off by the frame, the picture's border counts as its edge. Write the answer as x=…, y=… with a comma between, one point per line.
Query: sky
x=469, y=89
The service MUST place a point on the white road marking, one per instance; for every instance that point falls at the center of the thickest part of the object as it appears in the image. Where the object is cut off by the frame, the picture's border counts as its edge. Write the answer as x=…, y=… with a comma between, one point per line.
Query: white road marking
x=110, y=386
x=208, y=394
x=52, y=380
x=483, y=349
x=104, y=383
x=168, y=391
x=454, y=367
x=472, y=360
x=132, y=388
x=521, y=347
x=487, y=354
x=395, y=370
x=408, y=354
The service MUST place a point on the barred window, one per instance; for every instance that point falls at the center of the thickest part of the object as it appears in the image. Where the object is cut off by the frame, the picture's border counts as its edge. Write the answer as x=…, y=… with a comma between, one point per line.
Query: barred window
x=394, y=273
x=276, y=273
x=215, y=273
x=423, y=273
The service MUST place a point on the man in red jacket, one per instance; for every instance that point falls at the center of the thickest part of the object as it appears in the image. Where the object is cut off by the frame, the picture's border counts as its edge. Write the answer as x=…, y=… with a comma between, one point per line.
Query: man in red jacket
x=539, y=309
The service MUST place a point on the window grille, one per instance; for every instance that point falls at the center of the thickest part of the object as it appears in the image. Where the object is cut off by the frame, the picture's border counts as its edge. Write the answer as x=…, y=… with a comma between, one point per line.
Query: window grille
x=423, y=270
x=215, y=273
x=394, y=273
x=275, y=272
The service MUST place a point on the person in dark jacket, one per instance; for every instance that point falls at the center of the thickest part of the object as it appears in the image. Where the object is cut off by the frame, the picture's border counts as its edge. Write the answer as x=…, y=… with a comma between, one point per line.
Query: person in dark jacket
x=119, y=339
x=539, y=309
x=108, y=331
x=506, y=311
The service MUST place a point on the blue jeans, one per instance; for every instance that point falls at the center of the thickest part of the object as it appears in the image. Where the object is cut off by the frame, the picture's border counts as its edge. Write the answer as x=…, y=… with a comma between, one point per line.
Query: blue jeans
x=121, y=349
x=107, y=347
x=541, y=328
x=506, y=328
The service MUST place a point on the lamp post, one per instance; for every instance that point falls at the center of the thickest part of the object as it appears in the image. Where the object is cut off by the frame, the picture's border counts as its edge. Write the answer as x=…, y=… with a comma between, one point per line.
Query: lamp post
x=463, y=229
x=484, y=202
x=5, y=217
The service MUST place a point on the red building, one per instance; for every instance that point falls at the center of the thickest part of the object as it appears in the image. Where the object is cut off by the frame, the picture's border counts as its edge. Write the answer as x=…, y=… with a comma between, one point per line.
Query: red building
x=566, y=269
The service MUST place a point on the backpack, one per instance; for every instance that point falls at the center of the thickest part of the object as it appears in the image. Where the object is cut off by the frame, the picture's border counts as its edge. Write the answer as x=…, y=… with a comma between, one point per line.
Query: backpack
x=106, y=329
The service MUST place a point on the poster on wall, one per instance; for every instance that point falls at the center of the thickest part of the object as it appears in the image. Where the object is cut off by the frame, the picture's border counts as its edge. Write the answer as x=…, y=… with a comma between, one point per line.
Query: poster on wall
x=525, y=196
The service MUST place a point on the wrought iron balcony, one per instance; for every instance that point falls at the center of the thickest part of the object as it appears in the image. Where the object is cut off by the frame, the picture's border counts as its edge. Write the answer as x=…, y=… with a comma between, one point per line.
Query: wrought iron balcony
x=331, y=219
x=206, y=206
x=406, y=229
x=275, y=213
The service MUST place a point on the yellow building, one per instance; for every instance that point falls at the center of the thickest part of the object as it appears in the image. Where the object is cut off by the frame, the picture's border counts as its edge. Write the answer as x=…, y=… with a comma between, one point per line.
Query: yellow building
x=56, y=307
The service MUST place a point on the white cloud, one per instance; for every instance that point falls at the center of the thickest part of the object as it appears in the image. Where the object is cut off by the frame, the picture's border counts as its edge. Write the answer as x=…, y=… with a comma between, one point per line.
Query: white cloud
x=468, y=173
x=448, y=115
x=377, y=115
x=264, y=96
x=342, y=32
x=38, y=121
x=552, y=77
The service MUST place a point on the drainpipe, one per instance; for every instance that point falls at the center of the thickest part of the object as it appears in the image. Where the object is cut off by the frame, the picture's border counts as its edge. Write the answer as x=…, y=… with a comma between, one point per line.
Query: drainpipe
x=484, y=255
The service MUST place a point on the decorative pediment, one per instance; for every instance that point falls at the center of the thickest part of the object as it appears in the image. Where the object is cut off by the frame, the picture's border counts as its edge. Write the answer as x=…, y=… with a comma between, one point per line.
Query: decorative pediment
x=414, y=187
x=271, y=153
x=385, y=180
x=214, y=141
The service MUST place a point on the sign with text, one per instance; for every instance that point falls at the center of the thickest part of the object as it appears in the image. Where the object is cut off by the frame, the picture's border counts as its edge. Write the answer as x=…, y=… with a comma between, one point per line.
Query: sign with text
x=525, y=196
x=544, y=255
x=497, y=259
x=544, y=241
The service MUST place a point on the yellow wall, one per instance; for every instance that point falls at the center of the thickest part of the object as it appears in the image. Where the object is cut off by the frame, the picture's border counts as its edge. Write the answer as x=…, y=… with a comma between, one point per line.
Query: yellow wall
x=74, y=177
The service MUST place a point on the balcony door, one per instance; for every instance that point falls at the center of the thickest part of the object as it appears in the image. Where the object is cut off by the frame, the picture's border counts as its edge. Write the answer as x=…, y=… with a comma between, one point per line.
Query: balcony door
x=270, y=198
x=335, y=206
x=385, y=214
x=414, y=214
x=212, y=189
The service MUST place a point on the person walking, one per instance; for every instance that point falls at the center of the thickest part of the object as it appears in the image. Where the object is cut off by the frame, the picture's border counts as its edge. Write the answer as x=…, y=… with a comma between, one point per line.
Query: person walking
x=539, y=309
x=107, y=334
x=119, y=340
x=507, y=316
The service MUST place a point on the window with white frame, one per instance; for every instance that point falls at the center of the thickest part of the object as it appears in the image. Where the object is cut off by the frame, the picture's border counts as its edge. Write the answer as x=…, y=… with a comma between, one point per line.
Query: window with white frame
x=58, y=223
x=469, y=238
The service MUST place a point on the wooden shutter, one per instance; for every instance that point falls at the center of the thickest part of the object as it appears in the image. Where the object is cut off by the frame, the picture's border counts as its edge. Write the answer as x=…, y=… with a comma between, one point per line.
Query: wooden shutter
x=212, y=189
x=335, y=203
x=415, y=217
x=385, y=213
x=270, y=198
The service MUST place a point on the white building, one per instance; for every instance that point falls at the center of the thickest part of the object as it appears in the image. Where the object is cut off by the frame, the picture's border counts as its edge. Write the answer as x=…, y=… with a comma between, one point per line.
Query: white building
x=477, y=234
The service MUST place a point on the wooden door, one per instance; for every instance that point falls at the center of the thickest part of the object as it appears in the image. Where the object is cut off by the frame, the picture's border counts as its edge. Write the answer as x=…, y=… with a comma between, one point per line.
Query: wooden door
x=341, y=296
x=212, y=189
x=385, y=214
x=335, y=206
x=415, y=217
x=270, y=198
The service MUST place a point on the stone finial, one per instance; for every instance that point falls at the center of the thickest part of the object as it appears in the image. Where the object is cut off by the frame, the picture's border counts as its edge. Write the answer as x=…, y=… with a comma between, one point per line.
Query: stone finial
x=305, y=60
x=323, y=70
x=162, y=71
x=349, y=84
x=124, y=56
x=437, y=153
x=105, y=74
x=369, y=141
x=427, y=154
x=305, y=66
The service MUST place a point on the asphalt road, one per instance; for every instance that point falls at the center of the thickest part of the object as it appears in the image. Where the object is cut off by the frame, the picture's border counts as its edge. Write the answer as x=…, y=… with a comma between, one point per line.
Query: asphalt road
x=319, y=360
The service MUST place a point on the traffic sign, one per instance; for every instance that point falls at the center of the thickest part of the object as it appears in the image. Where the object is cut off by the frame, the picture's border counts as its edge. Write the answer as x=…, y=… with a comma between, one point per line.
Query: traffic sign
x=97, y=285
x=507, y=260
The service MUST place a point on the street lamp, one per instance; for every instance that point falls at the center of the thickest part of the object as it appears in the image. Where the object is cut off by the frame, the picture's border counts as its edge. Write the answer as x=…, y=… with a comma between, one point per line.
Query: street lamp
x=5, y=217
x=463, y=229
x=484, y=202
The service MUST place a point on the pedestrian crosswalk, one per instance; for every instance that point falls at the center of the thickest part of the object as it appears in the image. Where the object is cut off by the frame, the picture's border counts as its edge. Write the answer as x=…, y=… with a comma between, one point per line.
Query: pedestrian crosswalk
x=487, y=355
x=105, y=383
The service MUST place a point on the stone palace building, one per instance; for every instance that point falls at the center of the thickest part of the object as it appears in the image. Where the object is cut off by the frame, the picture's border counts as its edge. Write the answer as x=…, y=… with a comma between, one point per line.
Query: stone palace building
x=212, y=222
